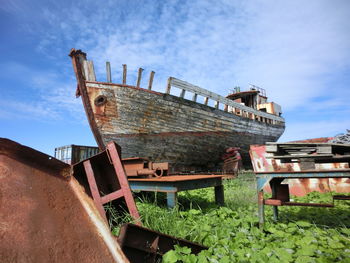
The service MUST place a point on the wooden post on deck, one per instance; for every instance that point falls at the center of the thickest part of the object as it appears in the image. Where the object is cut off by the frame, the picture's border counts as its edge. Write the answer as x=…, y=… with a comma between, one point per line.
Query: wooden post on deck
x=124, y=73
x=194, y=98
x=168, y=87
x=108, y=71
x=139, y=76
x=151, y=76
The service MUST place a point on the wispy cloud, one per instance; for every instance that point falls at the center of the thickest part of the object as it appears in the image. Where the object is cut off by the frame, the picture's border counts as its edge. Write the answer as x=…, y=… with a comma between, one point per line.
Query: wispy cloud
x=48, y=97
x=295, y=49
x=289, y=48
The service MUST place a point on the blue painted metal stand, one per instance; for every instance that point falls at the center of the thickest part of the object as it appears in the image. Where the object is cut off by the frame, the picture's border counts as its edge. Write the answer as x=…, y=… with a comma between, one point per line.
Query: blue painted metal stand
x=275, y=178
x=171, y=188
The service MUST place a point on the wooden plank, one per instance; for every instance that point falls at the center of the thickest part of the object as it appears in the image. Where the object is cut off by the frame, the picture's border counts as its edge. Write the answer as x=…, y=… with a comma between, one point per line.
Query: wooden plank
x=108, y=72
x=271, y=148
x=205, y=93
x=151, y=76
x=324, y=149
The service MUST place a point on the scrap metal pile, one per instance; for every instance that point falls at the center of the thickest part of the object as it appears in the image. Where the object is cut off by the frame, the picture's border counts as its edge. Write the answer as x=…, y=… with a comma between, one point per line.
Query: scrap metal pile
x=275, y=163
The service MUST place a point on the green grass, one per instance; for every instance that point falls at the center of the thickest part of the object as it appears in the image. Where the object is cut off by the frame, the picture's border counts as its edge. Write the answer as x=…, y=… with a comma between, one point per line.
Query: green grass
x=232, y=234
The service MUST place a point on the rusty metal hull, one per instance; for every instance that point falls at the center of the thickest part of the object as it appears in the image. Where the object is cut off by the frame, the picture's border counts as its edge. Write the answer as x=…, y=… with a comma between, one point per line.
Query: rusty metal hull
x=165, y=128
x=45, y=214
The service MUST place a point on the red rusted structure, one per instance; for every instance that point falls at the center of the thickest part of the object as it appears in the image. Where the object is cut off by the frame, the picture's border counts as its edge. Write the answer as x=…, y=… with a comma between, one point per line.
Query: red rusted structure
x=275, y=162
x=45, y=214
x=232, y=162
x=142, y=167
x=104, y=179
x=142, y=245
x=262, y=162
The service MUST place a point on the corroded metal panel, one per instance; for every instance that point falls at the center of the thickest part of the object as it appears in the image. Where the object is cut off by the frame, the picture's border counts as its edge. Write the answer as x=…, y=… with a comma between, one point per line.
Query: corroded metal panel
x=262, y=163
x=45, y=214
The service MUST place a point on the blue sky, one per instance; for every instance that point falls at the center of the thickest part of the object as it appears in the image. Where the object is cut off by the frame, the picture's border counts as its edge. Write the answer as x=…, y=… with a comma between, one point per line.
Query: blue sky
x=299, y=51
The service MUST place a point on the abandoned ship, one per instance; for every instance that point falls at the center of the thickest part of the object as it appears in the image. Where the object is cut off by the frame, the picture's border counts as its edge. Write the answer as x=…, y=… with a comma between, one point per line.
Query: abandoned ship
x=190, y=135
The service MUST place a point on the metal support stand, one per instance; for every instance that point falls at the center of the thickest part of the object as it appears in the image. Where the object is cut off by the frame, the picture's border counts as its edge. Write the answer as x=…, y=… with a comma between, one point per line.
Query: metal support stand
x=103, y=176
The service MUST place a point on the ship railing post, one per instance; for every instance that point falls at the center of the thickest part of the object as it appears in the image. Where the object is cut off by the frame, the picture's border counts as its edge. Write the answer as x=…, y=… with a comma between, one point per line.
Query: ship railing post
x=89, y=70
x=108, y=71
x=206, y=99
x=194, y=98
x=151, y=76
x=182, y=95
x=124, y=73
x=216, y=104
x=168, y=87
x=139, y=75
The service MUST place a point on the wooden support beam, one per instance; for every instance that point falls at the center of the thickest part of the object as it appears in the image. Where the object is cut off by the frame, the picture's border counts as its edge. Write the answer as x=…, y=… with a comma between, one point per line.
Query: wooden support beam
x=194, y=98
x=124, y=73
x=108, y=71
x=139, y=76
x=168, y=87
x=89, y=70
x=182, y=95
x=206, y=99
x=216, y=104
x=151, y=76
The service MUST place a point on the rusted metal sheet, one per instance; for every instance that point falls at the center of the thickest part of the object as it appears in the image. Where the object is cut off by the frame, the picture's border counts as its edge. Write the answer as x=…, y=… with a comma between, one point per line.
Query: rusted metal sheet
x=262, y=162
x=45, y=214
x=142, y=167
x=142, y=245
x=104, y=179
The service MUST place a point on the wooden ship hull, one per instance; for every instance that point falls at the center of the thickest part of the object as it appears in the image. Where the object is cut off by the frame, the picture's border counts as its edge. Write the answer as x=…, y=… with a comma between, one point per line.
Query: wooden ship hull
x=191, y=136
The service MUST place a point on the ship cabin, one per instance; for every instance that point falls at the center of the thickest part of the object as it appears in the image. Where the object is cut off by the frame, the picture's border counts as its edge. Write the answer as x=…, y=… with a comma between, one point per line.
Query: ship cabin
x=255, y=98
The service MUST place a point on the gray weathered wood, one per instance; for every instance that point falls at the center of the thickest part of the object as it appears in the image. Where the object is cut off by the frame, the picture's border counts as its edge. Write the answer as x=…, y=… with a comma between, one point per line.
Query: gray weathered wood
x=206, y=99
x=124, y=73
x=216, y=104
x=194, y=98
x=182, y=95
x=271, y=148
x=89, y=71
x=205, y=93
x=139, y=76
x=108, y=72
x=150, y=82
x=324, y=149
x=168, y=86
